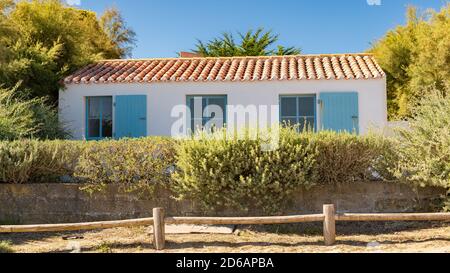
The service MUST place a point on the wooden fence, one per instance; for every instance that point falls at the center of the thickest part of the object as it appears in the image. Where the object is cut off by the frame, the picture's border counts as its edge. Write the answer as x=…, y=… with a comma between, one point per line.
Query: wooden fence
x=159, y=220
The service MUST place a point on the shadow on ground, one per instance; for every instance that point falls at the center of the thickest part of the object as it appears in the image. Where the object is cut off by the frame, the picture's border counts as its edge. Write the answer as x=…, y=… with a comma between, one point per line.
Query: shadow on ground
x=348, y=228
x=199, y=245
x=23, y=238
x=195, y=242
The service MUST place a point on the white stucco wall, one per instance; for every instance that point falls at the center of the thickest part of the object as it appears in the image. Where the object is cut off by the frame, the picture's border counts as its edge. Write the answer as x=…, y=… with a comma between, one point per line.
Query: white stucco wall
x=161, y=97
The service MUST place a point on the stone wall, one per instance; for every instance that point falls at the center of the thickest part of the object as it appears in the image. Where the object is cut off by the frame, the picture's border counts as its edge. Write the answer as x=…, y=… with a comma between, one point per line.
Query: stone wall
x=65, y=203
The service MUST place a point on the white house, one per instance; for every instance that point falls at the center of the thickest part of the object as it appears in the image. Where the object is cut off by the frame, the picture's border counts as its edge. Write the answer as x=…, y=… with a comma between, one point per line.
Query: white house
x=134, y=98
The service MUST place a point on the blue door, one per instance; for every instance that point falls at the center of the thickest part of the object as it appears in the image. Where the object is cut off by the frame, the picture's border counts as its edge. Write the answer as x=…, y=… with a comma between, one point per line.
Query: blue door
x=131, y=116
x=340, y=112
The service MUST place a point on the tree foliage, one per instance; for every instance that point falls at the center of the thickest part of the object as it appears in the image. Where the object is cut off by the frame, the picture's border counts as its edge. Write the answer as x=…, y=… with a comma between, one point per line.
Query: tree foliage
x=6, y=29
x=251, y=43
x=415, y=57
x=424, y=148
x=51, y=40
x=121, y=37
x=42, y=41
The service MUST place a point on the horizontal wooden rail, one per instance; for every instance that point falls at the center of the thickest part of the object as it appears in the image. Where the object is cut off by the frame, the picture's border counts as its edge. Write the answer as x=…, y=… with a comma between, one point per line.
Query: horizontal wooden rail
x=169, y=220
x=328, y=217
x=244, y=220
x=349, y=217
x=79, y=226
x=354, y=217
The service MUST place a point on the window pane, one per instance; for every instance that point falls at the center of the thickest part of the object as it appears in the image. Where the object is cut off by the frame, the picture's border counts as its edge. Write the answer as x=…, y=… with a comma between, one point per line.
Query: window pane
x=94, y=128
x=289, y=106
x=306, y=106
x=107, y=128
x=99, y=117
x=215, y=109
x=204, y=103
x=190, y=105
x=196, y=102
x=107, y=108
x=94, y=107
x=211, y=107
x=219, y=101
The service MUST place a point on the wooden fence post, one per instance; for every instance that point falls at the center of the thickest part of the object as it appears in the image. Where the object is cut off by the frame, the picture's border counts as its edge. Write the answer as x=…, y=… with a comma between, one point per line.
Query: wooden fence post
x=329, y=224
x=159, y=236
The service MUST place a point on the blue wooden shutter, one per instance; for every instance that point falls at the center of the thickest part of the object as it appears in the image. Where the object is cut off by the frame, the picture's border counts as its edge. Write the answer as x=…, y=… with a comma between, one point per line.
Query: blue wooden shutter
x=340, y=111
x=131, y=116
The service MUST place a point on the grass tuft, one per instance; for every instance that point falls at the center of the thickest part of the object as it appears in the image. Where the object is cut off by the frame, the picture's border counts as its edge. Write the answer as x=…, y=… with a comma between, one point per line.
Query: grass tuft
x=6, y=247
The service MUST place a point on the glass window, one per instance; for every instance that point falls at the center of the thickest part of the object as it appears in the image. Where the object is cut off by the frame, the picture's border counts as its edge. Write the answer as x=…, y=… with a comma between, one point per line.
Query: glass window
x=306, y=106
x=207, y=112
x=298, y=111
x=99, y=117
x=289, y=106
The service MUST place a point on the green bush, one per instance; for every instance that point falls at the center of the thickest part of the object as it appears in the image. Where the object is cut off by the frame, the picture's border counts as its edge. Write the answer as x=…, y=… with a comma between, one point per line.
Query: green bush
x=343, y=158
x=16, y=161
x=46, y=122
x=216, y=172
x=132, y=164
x=424, y=148
x=56, y=159
x=16, y=117
x=29, y=161
x=238, y=173
x=21, y=118
x=6, y=247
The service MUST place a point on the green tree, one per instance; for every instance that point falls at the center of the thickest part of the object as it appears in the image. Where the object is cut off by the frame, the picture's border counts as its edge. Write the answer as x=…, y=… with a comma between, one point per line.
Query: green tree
x=53, y=40
x=122, y=37
x=431, y=67
x=6, y=29
x=252, y=43
x=415, y=57
x=36, y=68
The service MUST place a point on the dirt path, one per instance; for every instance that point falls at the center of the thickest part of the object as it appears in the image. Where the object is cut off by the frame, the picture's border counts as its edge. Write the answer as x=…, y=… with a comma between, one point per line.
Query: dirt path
x=393, y=237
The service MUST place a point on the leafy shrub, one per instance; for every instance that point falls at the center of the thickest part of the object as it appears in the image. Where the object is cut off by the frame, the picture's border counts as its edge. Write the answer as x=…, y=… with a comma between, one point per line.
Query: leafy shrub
x=30, y=161
x=16, y=161
x=47, y=122
x=424, y=148
x=21, y=118
x=16, y=117
x=132, y=164
x=56, y=159
x=216, y=171
x=238, y=173
x=347, y=158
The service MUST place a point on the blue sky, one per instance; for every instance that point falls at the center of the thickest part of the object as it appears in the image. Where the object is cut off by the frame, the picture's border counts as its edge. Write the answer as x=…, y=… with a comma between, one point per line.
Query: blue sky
x=165, y=27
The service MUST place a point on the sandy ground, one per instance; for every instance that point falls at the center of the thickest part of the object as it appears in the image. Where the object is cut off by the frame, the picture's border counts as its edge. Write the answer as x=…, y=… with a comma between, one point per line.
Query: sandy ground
x=352, y=237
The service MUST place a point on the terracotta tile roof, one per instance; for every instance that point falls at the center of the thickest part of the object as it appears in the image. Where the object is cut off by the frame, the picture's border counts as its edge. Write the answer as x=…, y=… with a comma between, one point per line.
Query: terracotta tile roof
x=274, y=68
